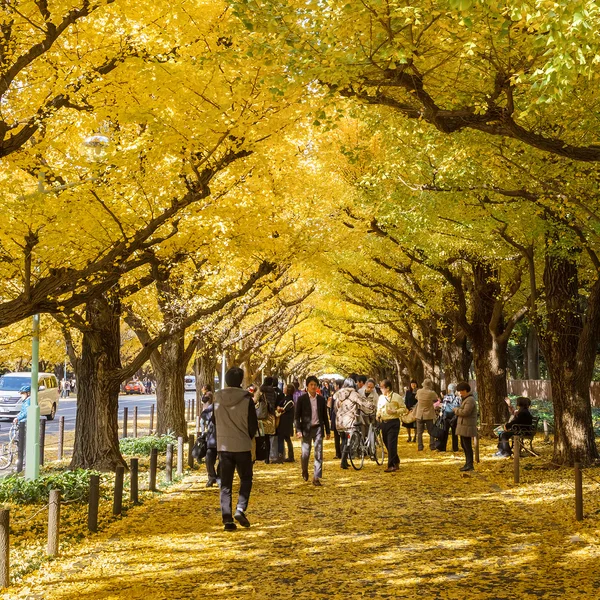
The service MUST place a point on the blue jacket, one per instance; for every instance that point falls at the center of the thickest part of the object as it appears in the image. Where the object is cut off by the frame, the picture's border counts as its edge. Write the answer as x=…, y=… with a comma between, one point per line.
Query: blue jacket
x=22, y=416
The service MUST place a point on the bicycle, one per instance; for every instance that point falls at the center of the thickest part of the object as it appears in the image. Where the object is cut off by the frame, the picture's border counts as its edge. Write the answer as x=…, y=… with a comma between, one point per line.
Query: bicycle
x=8, y=449
x=358, y=446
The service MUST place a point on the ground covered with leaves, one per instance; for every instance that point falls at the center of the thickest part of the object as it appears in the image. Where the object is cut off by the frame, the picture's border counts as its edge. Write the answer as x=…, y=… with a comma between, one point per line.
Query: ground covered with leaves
x=424, y=531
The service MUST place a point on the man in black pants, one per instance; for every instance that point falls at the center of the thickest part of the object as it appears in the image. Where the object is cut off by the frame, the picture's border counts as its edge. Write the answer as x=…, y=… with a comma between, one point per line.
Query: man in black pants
x=236, y=423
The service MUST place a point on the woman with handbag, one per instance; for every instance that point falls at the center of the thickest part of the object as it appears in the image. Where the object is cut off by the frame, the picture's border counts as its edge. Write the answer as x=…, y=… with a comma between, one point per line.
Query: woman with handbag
x=410, y=401
x=389, y=411
x=285, y=427
x=208, y=430
x=448, y=420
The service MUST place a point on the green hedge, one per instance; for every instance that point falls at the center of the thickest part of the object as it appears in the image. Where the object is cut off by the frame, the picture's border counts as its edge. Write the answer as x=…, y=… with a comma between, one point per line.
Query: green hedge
x=142, y=446
x=73, y=486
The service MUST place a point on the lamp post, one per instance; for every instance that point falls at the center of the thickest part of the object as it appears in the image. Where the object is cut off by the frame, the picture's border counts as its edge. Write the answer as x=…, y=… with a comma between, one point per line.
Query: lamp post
x=32, y=446
x=223, y=359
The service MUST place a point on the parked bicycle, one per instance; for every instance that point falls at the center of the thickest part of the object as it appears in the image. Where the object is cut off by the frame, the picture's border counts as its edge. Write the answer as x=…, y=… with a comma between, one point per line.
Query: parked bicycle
x=358, y=446
x=9, y=449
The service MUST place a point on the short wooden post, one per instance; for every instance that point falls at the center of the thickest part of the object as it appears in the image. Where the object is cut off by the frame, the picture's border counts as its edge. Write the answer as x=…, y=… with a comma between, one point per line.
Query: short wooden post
x=190, y=448
x=153, y=465
x=4, y=548
x=578, y=492
x=546, y=432
x=61, y=437
x=151, y=428
x=179, y=456
x=135, y=421
x=53, y=522
x=169, y=464
x=517, y=458
x=133, y=481
x=21, y=446
x=93, y=501
x=476, y=447
x=42, y=439
x=118, y=493
x=125, y=418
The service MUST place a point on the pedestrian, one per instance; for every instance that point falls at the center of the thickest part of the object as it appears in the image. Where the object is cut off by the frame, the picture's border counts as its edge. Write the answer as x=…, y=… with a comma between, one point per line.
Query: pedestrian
x=337, y=385
x=207, y=429
x=351, y=409
x=271, y=394
x=236, y=424
x=389, y=411
x=311, y=422
x=410, y=401
x=449, y=420
x=426, y=397
x=25, y=394
x=466, y=427
x=207, y=394
x=285, y=429
x=521, y=417
x=361, y=381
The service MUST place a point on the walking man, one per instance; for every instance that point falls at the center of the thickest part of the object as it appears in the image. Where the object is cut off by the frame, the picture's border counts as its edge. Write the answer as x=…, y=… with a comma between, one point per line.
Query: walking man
x=236, y=424
x=311, y=418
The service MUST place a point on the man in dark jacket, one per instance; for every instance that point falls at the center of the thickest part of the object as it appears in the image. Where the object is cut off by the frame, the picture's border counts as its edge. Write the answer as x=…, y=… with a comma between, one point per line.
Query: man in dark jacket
x=236, y=425
x=311, y=418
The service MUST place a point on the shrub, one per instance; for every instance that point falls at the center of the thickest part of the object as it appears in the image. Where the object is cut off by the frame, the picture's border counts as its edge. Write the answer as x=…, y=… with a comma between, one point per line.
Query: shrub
x=73, y=486
x=143, y=445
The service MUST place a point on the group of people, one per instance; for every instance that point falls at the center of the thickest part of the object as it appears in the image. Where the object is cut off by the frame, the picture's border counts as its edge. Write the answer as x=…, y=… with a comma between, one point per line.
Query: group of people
x=242, y=426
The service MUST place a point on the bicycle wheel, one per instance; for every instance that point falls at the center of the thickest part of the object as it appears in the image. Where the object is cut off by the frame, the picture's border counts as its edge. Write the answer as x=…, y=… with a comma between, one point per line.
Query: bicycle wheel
x=379, y=448
x=356, y=451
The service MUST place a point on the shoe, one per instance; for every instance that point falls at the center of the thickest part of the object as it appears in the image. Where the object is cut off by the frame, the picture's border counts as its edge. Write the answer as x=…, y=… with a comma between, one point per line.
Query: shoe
x=336, y=457
x=344, y=466
x=390, y=469
x=210, y=483
x=408, y=441
x=240, y=517
x=288, y=460
x=467, y=468
x=305, y=475
x=317, y=482
x=415, y=441
x=231, y=526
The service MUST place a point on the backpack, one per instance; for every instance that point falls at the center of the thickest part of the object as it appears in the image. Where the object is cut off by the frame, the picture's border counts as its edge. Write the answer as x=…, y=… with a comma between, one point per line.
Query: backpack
x=200, y=447
x=262, y=408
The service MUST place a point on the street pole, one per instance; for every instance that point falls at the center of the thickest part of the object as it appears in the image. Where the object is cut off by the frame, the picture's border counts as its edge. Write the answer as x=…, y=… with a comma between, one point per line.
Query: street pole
x=32, y=447
x=223, y=371
x=64, y=392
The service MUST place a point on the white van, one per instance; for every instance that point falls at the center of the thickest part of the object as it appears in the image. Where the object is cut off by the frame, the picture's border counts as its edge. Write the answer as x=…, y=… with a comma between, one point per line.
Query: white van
x=190, y=383
x=10, y=399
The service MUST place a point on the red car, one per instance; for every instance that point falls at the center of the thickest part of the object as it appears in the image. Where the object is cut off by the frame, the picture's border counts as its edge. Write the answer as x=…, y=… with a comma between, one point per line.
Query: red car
x=134, y=387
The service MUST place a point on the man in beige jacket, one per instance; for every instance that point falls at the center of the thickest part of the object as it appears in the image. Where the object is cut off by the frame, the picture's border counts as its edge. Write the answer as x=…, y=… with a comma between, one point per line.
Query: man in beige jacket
x=426, y=397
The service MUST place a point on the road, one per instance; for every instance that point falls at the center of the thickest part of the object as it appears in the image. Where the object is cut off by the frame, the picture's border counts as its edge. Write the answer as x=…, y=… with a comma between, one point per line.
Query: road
x=67, y=408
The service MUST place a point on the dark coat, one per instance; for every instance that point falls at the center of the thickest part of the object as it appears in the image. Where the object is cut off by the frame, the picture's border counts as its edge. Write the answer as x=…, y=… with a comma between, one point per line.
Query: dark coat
x=522, y=417
x=208, y=421
x=303, y=414
x=286, y=421
x=410, y=400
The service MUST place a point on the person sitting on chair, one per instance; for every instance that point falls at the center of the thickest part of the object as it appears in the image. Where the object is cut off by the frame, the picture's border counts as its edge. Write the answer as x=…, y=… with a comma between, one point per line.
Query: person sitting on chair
x=523, y=418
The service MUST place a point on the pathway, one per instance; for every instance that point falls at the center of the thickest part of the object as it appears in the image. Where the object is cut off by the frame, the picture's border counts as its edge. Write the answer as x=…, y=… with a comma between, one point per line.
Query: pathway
x=425, y=531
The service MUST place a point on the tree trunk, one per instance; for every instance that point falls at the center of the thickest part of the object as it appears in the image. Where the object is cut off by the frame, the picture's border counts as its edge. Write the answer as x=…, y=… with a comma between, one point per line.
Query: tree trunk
x=457, y=359
x=169, y=366
x=489, y=343
x=205, y=366
x=570, y=362
x=96, y=426
x=532, y=361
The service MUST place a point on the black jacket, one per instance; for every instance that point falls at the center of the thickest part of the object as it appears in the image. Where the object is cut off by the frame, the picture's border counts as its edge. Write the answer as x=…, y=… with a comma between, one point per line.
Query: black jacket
x=522, y=417
x=207, y=418
x=303, y=414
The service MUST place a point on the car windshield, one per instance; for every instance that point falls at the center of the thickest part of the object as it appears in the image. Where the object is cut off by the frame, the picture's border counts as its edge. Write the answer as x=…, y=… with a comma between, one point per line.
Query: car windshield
x=13, y=384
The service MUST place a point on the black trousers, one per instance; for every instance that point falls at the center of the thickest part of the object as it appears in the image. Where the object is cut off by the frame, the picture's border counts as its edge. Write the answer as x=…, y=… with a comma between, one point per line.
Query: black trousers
x=389, y=431
x=211, y=460
x=442, y=442
x=287, y=440
x=504, y=443
x=338, y=443
x=229, y=462
x=467, y=445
